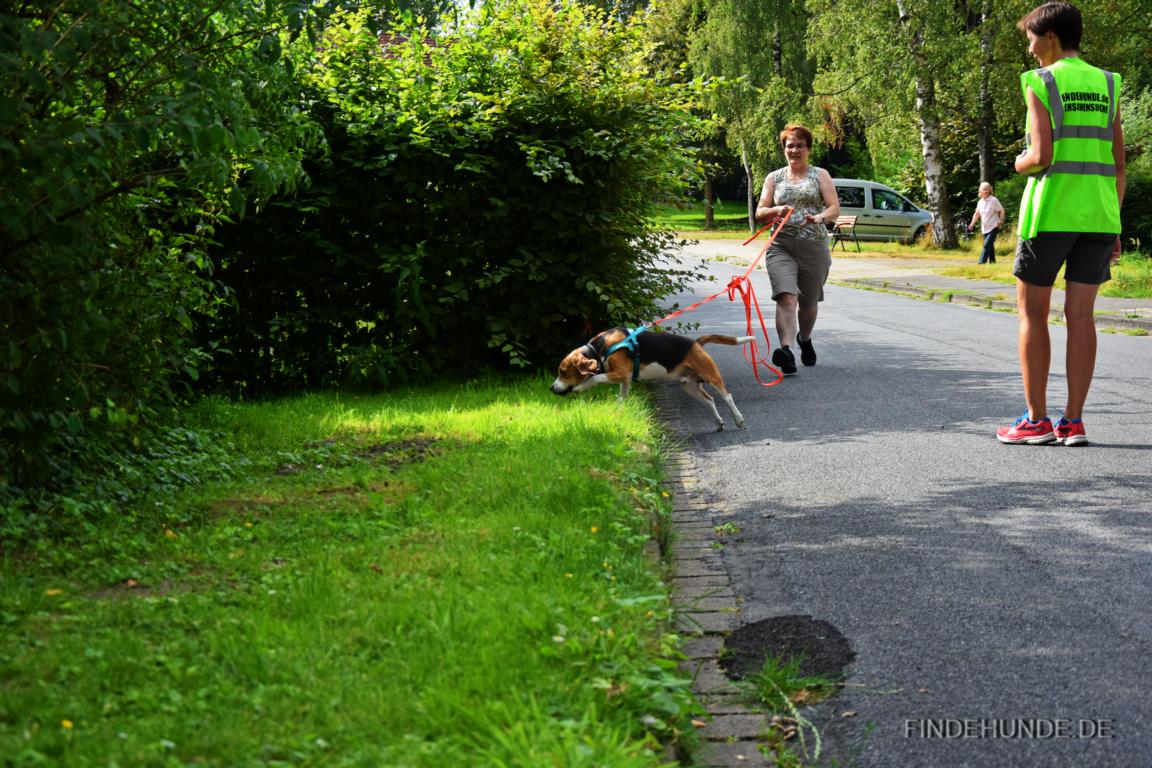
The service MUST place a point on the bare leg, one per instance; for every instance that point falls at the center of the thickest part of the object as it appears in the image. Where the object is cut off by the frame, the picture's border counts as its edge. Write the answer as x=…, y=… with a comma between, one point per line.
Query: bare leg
x=1033, y=302
x=786, y=319
x=807, y=320
x=1079, y=304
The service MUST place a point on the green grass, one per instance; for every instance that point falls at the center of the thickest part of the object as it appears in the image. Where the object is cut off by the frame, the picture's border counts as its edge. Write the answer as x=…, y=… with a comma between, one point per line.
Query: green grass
x=1000, y=272
x=730, y=218
x=1131, y=278
x=435, y=577
x=781, y=688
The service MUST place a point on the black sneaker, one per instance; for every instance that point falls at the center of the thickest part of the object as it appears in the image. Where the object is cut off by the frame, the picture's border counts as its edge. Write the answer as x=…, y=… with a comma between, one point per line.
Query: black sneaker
x=783, y=359
x=807, y=351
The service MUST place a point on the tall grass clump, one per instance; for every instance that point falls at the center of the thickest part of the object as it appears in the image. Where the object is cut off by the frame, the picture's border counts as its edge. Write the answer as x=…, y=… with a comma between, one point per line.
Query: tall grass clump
x=440, y=576
x=783, y=689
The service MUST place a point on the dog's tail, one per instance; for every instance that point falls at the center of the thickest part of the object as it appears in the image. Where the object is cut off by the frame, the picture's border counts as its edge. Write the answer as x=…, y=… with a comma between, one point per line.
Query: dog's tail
x=729, y=340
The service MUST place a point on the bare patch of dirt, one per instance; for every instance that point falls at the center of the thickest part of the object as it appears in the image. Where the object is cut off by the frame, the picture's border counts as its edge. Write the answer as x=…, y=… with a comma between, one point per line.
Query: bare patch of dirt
x=397, y=453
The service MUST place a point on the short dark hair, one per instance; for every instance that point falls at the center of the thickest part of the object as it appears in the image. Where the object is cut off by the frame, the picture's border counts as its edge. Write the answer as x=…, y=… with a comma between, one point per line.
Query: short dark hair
x=799, y=130
x=1062, y=19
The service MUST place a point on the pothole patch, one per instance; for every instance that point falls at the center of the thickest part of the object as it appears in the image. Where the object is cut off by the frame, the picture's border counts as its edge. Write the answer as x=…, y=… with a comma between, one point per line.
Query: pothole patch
x=822, y=649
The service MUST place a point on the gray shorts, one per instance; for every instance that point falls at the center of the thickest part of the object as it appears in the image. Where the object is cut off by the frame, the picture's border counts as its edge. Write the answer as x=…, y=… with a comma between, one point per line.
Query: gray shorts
x=800, y=266
x=1088, y=255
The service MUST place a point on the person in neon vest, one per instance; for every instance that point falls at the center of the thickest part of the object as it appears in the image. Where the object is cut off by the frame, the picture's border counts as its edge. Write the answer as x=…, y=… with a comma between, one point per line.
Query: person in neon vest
x=1070, y=214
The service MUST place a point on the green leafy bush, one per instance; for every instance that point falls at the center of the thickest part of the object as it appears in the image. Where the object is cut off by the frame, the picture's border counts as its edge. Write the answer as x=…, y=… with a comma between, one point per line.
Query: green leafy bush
x=1136, y=214
x=484, y=202
x=124, y=137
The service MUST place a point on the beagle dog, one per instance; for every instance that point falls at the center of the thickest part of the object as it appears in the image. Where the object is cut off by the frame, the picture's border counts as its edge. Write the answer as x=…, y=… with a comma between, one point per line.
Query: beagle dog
x=619, y=357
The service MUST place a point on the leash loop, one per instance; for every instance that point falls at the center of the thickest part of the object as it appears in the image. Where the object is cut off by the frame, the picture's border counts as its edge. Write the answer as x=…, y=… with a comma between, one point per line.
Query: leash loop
x=741, y=285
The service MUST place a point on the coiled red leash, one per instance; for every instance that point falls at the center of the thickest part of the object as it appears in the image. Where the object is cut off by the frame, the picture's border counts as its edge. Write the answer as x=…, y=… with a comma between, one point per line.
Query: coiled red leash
x=743, y=286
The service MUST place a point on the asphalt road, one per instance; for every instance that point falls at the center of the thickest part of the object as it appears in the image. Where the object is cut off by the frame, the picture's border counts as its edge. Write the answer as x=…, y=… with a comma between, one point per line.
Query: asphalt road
x=979, y=584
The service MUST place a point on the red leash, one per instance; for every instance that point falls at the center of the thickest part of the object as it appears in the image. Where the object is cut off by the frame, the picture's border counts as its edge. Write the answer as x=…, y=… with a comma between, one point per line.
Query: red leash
x=743, y=286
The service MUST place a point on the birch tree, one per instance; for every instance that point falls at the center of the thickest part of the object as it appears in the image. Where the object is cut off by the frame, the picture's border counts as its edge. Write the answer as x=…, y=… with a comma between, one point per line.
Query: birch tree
x=889, y=63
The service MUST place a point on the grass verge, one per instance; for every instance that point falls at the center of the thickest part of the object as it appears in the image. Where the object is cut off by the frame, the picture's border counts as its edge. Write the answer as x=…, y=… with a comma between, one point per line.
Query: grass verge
x=782, y=689
x=728, y=216
x=443, y=576
x=1131, y=278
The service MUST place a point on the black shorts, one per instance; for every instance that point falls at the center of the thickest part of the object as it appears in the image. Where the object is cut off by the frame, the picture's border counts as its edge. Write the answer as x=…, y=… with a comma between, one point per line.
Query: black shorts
x=1088, y=255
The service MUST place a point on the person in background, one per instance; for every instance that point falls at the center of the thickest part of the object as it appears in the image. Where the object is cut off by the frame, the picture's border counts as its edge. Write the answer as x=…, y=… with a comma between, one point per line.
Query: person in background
x=1070, y=215
x=991, y=215
x=799, y=260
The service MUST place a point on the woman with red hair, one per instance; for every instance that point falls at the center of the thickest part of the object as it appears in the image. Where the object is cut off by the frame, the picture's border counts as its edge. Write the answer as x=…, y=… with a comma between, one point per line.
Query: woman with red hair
x=799, y=260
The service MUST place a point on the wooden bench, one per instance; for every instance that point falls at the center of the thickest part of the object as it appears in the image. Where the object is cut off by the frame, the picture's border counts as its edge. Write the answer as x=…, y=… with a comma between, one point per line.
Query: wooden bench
x=843, y=229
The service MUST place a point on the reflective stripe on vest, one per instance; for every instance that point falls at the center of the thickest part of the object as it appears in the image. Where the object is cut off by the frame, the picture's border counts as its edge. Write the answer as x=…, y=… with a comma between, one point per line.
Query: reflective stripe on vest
x=1082, y=168
x=1061, y=131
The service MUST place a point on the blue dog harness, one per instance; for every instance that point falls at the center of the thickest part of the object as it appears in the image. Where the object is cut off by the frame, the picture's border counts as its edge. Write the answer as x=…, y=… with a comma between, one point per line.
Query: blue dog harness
x=633, y=346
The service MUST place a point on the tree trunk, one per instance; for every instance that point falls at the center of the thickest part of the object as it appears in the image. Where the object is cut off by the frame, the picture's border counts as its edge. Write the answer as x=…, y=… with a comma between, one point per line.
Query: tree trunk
x=750, y=187
x=778, y=53
x=934, y=181
x=929, y=123
x=987, y=112
x=709, y=205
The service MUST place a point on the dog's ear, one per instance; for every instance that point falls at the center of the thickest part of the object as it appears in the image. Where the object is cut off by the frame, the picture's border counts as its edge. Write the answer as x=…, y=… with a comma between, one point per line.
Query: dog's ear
x=587, y=366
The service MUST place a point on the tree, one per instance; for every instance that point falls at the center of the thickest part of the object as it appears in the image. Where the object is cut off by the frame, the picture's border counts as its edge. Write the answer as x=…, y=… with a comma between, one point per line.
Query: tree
x=928, y=119
x=890, y=64
x=758, y=87
x=987, y=114
x=124, y=138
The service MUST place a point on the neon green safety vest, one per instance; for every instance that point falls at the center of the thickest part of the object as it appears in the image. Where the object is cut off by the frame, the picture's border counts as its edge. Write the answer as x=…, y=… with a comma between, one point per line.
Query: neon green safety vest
x=1077, y=193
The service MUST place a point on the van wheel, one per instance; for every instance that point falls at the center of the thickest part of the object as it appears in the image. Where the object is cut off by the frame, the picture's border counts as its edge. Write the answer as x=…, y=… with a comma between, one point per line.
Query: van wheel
x=919, y=234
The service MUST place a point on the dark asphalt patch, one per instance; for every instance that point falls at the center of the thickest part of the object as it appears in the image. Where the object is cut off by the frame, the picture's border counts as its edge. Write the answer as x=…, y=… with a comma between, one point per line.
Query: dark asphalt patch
x=823, y=651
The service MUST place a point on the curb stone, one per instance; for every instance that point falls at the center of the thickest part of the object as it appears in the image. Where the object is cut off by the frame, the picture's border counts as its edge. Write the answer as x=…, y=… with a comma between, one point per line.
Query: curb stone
x=918, y=280
x=706, y=609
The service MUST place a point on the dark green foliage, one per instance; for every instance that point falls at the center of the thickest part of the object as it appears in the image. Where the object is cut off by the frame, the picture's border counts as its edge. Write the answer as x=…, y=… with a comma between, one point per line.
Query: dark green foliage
x=123, y=137
x=484, y=203
x=82, y=498
x=1136, y=213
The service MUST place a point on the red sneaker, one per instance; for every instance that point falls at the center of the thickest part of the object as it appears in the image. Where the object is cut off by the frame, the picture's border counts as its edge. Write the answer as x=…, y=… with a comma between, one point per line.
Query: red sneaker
x=1026, y=432
x=1070, y=432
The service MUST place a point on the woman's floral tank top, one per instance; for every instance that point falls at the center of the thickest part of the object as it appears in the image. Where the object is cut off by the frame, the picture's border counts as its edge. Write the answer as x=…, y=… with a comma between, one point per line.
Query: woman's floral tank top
x=804, y=197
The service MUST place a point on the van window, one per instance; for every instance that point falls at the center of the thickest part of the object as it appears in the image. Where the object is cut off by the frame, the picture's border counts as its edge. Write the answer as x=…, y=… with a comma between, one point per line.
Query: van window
x=883, y=200
x=851, y=197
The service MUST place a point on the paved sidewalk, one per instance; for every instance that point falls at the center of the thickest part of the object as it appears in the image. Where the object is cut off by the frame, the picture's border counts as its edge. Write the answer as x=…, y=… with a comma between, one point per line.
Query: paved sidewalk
x=916, y=278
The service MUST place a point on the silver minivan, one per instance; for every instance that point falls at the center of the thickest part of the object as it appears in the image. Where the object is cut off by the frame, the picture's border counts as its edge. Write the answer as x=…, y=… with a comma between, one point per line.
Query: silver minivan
x=881, y=212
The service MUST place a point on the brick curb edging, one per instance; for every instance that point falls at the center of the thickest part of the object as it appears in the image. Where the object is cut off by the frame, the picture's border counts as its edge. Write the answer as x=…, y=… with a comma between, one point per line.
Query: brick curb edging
x=959, y=296
x=706, y=609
